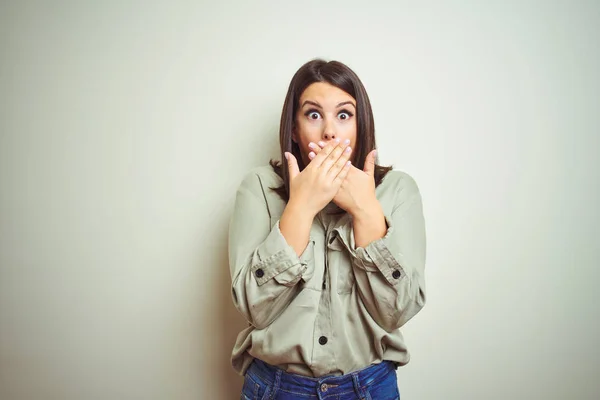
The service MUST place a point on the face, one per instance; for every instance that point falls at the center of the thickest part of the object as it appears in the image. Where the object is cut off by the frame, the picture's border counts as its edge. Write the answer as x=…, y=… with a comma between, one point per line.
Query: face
x=325, y=113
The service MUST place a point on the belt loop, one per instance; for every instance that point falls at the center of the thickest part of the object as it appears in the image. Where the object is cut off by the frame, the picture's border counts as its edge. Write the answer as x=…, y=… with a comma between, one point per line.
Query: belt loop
x=276, y=384
x=357, y=388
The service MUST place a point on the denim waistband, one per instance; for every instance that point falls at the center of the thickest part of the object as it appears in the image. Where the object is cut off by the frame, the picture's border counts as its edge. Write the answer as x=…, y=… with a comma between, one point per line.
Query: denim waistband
x=323, y=387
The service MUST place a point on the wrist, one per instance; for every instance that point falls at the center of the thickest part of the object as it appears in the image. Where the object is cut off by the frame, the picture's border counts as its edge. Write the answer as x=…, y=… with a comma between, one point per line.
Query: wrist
x=300, y=209
x=367, y=212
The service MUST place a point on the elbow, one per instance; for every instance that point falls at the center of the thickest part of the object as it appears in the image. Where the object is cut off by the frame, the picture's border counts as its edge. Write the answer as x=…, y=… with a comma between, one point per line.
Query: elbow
x=409, y=310
x=259, y=317
x=253, y=312
x=405, y=313
x=259, y=322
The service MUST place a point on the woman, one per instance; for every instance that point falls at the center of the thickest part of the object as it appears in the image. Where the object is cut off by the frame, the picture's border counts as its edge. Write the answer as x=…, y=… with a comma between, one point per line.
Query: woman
x=327, y=252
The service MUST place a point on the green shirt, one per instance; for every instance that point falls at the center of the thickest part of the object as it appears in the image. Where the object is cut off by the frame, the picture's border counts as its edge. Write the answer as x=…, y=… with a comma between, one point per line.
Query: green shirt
x=336, y=308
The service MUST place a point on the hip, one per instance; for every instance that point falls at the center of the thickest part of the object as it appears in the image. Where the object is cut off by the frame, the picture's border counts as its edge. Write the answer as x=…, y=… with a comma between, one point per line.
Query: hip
x=263, y=381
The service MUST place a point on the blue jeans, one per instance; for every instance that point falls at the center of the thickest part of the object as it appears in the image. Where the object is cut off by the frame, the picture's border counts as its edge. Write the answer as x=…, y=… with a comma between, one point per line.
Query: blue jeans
x=266, y=382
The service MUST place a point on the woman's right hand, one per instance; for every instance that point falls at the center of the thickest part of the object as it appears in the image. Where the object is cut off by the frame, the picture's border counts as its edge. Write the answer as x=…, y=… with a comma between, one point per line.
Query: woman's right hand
x=314, y=187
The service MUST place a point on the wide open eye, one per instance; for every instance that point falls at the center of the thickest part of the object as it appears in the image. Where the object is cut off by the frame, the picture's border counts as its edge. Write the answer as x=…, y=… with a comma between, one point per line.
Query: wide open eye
x=313, y=114
x=344, y=115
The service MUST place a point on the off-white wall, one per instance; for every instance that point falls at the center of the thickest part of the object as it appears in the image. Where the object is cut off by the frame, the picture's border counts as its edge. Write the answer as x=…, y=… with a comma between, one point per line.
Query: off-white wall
x=126, y=128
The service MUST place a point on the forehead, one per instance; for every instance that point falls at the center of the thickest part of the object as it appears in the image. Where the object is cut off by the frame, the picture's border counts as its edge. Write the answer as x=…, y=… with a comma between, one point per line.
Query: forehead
x=324, y=94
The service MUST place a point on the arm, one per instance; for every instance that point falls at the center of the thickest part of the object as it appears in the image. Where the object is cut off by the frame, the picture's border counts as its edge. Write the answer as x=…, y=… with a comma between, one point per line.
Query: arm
x=389, y=270
x=264, y=268
x=295, y=226
x=369, y=224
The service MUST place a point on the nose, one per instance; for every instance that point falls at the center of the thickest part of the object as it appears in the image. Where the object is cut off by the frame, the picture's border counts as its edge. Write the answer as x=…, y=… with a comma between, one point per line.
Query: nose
x=329, y=131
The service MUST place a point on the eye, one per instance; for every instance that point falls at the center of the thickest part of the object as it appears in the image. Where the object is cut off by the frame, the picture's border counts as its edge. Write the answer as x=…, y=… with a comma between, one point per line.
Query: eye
x=313, y=114
x=344, y=115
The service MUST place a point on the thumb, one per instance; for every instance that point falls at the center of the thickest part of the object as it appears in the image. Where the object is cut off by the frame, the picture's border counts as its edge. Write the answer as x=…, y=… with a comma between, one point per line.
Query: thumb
x=370, y=163
x=292, y=163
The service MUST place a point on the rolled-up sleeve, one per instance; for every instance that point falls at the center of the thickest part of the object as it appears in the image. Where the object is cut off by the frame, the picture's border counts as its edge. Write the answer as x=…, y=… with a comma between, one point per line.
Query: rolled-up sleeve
x=264, y=268
x=389, y=272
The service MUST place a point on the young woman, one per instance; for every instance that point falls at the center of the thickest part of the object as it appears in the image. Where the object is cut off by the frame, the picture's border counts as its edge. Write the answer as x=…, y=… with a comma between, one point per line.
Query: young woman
x=326, y=251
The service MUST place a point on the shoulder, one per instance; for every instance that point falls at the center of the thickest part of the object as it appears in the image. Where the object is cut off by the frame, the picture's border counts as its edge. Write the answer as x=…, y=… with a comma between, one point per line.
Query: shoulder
x=398, y=188
x=400, y=182
x=255, y=189
x=259, y=180
x=263, y=175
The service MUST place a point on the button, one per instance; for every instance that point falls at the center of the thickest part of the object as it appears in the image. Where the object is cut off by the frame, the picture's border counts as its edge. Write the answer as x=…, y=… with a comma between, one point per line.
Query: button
x=259, y=273
x=323, y=340
x=324, y=387
x=396, y=274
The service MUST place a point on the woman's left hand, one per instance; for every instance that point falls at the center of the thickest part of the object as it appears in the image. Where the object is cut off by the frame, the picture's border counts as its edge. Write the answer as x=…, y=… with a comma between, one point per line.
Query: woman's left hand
x=357, y=192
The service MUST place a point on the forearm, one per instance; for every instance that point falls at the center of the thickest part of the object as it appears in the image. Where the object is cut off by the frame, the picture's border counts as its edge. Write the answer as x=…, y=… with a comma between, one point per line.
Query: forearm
x=295, y=223
x=368, y=224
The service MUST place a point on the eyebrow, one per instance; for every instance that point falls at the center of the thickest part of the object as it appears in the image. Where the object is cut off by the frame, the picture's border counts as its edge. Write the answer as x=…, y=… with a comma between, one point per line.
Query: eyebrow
x=314, y=103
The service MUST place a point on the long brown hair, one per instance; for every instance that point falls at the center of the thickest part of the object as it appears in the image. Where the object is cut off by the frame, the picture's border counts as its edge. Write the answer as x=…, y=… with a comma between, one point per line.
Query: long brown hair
x=341, y=76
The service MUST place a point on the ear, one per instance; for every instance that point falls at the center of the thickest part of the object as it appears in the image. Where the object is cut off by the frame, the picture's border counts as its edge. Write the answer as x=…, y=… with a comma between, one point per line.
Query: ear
x=294, y=134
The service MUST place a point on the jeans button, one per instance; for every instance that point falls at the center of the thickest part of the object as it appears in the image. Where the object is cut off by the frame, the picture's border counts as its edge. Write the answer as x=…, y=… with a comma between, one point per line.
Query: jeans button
x=324, y=387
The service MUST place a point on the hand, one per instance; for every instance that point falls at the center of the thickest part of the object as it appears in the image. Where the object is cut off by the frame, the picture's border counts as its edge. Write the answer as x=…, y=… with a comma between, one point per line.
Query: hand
x=357, y=192
x=319, y=182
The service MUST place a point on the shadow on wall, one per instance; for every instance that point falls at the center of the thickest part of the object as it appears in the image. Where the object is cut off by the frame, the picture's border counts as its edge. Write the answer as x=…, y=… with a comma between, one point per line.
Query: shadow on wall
x=228, y=323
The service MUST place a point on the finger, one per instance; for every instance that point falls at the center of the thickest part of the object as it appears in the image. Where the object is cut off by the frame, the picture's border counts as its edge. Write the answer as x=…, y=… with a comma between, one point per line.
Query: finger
x=316, y=147
x=325, y=152
x=331, y=159
x=370, y=163
x=315, y=150
x=340, y=162
x=343, y=173
x=293, y=168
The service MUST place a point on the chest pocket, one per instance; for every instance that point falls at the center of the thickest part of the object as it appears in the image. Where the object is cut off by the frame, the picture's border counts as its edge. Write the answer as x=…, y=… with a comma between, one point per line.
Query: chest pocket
x=340, y=264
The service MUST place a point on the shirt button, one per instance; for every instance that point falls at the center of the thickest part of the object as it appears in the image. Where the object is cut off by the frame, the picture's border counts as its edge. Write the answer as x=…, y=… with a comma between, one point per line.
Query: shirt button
x=323, y=340
x=259, y=273
x=396, y=274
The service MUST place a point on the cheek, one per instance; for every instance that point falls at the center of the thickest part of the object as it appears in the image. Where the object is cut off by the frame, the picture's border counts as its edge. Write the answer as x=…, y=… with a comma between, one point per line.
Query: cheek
x=307, y=133
x=349, y=132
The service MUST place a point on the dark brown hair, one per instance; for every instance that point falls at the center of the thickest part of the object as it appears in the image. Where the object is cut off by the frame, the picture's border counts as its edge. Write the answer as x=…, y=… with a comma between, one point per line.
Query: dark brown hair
x=341, y=76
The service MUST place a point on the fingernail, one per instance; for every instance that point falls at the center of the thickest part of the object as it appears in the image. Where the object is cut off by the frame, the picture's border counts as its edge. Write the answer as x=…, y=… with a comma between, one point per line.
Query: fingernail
x=337, y=140
x=347, y=141
x=287, y=155
x=312, y=145
x=322, y=144
x=348, y=149
x=311, y=155
x=375, y=153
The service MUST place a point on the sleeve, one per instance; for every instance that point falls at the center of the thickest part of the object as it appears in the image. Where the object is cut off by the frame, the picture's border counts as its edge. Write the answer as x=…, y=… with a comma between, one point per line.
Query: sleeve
x=264, y=269
x=389, y=272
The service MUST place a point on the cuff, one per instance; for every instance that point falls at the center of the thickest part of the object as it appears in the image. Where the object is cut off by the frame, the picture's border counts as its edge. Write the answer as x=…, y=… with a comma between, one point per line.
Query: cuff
x=376, y=256
x=277, y=259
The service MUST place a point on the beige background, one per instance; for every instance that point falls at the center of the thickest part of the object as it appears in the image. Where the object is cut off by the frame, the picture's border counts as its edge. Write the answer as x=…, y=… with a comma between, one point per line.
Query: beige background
x=126, y=127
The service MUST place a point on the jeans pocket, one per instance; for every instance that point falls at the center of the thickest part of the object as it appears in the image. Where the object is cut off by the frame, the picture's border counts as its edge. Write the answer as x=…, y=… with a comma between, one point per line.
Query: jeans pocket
x=250, y=389
x=381, y=393
x=386, y=388
x=253, y=389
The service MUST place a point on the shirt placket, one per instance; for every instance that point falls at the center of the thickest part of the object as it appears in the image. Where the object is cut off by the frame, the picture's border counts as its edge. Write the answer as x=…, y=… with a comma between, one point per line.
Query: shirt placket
x=323, y=354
